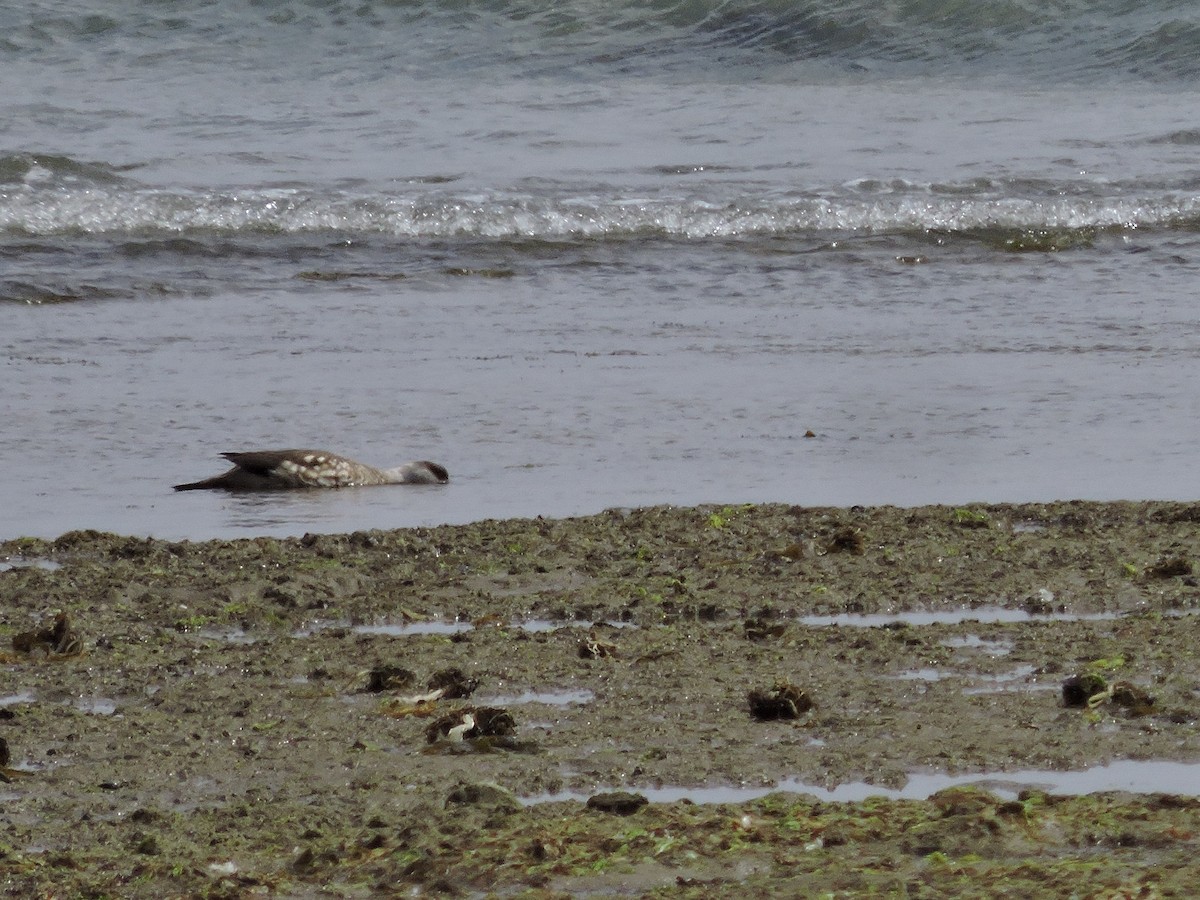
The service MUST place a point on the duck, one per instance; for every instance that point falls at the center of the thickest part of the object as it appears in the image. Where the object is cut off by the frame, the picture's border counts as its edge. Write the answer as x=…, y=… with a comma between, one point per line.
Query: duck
x=273, y=470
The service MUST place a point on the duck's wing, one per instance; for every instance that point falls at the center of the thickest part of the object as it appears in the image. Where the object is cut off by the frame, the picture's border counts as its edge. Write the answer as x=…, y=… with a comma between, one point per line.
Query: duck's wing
x=271, y=462
x=266, y=470
x=306, y=468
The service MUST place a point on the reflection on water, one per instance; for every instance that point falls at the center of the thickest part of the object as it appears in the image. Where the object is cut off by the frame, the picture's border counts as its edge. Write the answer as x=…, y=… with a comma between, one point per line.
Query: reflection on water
x=269, y=512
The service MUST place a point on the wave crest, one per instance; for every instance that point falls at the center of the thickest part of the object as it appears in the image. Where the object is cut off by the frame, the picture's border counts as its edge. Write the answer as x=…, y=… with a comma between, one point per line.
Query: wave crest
x=862, y=207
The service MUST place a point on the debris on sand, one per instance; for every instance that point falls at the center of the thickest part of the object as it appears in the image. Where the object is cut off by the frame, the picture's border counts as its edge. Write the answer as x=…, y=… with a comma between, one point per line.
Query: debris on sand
x=782, y=701
x=56, y=640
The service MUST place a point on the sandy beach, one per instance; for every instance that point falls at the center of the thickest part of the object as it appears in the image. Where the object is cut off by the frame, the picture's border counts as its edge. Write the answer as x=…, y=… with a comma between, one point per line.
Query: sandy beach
x=450, y=710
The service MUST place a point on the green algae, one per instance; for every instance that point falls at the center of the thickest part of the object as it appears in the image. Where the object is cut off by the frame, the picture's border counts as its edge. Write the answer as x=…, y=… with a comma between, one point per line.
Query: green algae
x=235, y=769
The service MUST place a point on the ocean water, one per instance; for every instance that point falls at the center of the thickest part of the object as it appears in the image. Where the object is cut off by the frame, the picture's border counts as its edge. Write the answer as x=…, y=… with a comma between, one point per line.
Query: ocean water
x=594, y=254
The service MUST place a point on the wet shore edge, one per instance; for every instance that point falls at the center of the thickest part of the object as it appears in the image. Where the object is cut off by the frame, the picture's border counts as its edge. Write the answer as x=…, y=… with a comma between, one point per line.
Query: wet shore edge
x=702, y=701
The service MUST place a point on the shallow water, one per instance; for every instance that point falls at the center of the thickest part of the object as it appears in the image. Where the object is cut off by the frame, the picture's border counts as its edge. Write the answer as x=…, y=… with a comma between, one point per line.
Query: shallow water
x=561, y=394
x=621, y=257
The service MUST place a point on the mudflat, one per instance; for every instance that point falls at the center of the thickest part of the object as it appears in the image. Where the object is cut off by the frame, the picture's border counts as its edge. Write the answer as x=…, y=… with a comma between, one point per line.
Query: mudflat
x=510, y=706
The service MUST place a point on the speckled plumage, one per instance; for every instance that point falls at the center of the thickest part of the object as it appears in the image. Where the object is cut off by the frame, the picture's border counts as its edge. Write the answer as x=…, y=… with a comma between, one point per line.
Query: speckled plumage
x=268, y=470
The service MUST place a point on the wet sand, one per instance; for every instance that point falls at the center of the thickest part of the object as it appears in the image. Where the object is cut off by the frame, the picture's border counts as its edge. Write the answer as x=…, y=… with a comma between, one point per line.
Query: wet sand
x=302, y=716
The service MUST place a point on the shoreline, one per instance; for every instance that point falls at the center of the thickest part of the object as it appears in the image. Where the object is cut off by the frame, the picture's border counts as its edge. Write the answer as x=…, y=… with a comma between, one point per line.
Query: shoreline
x=263, y=704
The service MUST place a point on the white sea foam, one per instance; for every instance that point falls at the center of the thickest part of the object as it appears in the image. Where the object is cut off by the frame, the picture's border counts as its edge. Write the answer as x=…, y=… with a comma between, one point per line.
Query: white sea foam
x=546, y=216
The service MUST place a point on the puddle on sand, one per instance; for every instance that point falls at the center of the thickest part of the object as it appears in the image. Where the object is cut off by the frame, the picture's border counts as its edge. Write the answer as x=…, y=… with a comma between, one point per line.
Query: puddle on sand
x=982, y=645
x=441, y=626
x=407, y=628
x=435, y=626
x=226, y=635
x=1016, y=680
x=1135, y=776
x=550, y=698
x=984, y=614
x=1028, y=526
x=100, y=706
x=982, y=683
x=535, y=625
x=24, y=562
